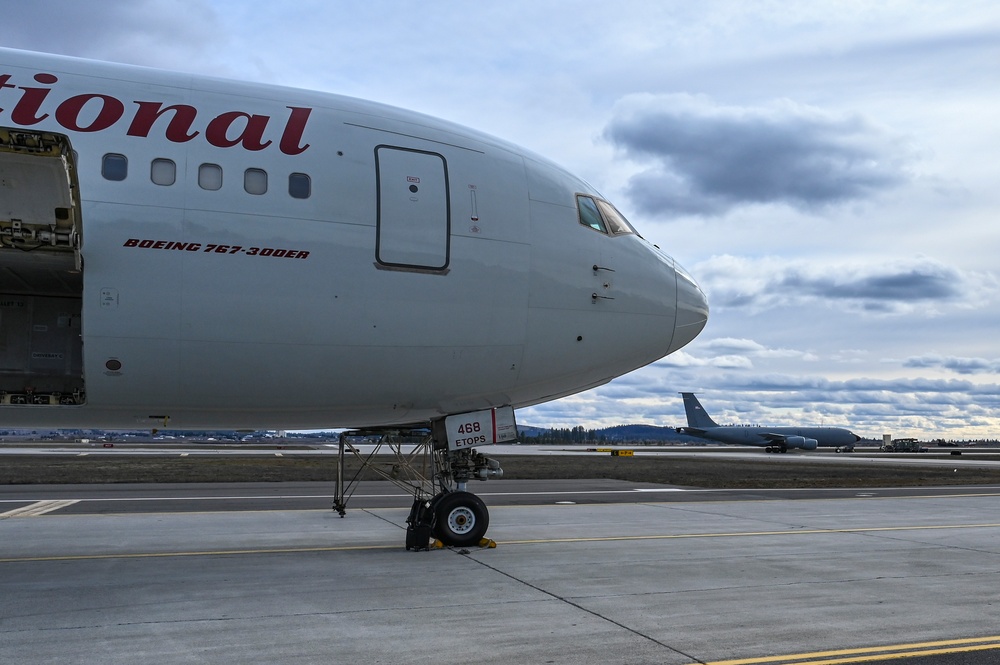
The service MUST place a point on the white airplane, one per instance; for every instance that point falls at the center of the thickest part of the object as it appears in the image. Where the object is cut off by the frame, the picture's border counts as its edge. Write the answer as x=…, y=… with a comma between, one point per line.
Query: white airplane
x=200, y=253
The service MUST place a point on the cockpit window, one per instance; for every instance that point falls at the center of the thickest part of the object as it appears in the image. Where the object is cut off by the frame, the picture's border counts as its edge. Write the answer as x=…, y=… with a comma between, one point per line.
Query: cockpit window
x=602, y=216
x=616, y=221
x=590, y=215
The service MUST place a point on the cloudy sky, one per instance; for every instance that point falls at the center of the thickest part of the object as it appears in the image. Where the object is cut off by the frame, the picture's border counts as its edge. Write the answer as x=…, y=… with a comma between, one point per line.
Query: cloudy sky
x=828, y=171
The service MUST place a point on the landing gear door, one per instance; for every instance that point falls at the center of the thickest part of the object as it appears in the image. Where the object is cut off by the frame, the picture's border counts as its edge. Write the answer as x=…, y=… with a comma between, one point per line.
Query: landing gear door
x=414, y=216
x=481, y=428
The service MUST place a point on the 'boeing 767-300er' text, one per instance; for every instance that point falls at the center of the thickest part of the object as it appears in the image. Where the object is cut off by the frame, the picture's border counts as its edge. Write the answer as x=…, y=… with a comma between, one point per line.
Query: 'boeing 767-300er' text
x=774, y=439
x=198, y=253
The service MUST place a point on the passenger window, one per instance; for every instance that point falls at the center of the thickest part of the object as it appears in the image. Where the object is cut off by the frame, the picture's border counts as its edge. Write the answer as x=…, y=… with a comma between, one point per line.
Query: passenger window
x=616, y=221
x=255, y=181
x=299, y=186
x=210, y=176
x=114, y=167
x=163, y=172
x=589, y=214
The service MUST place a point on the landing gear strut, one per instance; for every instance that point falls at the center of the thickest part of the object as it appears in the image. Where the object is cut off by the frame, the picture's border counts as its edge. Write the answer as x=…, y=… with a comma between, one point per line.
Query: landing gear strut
x=415, y=461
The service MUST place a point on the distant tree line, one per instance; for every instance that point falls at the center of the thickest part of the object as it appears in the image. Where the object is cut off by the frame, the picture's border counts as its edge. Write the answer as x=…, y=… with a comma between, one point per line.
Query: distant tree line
x=562, y=435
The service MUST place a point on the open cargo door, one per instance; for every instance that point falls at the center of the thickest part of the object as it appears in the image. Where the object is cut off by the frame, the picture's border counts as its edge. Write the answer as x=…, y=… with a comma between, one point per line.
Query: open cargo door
x=41, y=271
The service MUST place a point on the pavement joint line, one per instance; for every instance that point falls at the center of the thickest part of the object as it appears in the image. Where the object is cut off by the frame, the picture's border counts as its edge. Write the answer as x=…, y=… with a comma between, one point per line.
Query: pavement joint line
x=581, y=608
x=538, y=541
x=863, y=654
x=380, y=517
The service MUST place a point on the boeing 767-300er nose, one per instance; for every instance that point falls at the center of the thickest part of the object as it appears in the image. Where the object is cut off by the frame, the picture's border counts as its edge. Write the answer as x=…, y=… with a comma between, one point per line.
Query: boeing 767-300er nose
x=692, y=310
x=260, y=257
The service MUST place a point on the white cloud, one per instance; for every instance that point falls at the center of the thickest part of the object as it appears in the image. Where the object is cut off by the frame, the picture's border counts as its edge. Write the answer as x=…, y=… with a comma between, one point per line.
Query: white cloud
x=750, y=347
x=685, y=359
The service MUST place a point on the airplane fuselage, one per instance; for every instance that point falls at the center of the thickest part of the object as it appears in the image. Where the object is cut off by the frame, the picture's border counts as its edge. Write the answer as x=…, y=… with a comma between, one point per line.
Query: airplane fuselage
x=758, y=436
x=204, y=253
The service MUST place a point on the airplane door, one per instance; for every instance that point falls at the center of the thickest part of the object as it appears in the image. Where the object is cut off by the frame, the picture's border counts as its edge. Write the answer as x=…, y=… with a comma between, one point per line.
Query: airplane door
x=414, y=216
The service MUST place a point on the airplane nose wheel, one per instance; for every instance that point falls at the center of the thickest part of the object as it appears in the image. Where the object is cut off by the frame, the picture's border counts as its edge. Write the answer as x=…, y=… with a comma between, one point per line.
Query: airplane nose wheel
x=460, y=519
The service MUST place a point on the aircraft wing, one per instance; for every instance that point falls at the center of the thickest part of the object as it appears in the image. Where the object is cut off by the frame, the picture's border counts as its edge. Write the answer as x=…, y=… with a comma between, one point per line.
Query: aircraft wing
x=774, y=438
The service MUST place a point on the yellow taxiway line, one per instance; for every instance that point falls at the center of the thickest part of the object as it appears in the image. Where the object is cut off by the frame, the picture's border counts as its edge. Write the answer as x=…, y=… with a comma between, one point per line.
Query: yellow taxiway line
x=861, y=655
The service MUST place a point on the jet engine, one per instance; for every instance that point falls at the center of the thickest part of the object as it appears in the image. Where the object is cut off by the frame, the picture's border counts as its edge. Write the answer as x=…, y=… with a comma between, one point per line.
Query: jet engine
x=801, y=442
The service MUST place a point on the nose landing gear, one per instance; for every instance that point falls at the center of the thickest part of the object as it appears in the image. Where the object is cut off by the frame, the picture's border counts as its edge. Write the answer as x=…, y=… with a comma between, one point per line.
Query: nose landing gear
x=415, y=461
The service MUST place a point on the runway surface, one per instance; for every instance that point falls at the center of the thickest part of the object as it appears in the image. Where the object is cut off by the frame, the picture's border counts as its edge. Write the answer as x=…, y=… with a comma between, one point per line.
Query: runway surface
x=584, y=572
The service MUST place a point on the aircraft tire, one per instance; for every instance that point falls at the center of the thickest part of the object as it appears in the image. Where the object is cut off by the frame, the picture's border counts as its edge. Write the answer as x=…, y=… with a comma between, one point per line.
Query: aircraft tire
x=461, y=519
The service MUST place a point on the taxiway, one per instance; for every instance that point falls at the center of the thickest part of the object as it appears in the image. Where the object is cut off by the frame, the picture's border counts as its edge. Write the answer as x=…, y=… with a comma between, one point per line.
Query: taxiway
x=584, y=572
